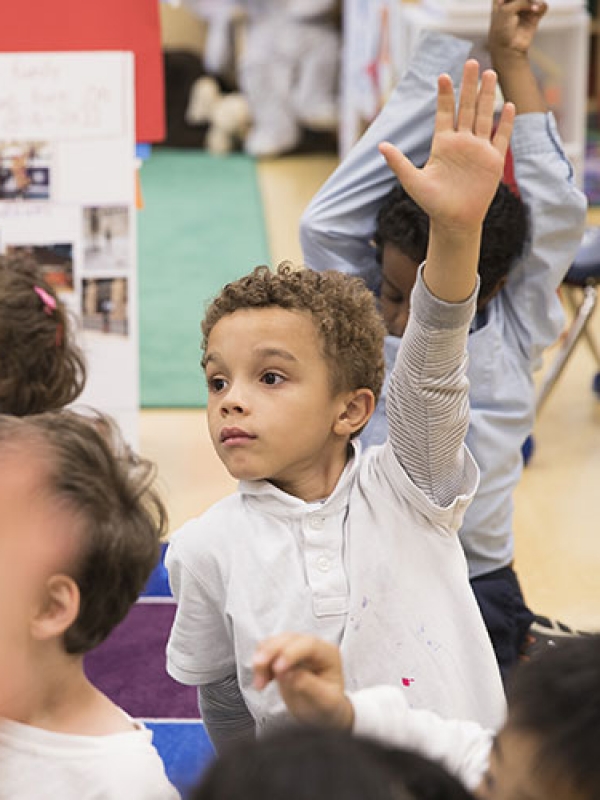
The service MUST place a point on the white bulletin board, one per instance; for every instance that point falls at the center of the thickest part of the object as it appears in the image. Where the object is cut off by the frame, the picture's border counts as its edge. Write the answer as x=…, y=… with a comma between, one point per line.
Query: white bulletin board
x=67, y=198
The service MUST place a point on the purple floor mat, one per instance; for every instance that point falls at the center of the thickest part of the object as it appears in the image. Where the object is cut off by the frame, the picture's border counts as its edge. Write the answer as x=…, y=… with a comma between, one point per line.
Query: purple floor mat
x=129, y=666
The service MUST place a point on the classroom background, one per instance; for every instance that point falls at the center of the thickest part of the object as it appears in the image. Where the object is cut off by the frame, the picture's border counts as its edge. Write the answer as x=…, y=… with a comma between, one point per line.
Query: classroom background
x=209, y=212
x=558, y=552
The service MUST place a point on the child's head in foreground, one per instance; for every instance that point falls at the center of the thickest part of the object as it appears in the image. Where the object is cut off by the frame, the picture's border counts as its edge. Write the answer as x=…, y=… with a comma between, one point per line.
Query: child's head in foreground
x=80, y=530
x=41, y=369
x=307, y=764
x=294, y=366
x=550, y=745
x=401, y=241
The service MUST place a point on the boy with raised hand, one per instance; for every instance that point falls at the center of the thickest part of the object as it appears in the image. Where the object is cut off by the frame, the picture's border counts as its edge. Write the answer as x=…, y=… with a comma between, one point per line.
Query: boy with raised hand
x=548, y=746
x=527, y=246
x=361, y=549
x=80, y=530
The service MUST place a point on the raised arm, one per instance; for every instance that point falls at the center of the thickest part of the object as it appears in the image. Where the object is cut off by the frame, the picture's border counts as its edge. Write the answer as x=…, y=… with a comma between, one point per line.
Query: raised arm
x=338, y=225
x=546, y=182
x=427, y=402
x=513, y=26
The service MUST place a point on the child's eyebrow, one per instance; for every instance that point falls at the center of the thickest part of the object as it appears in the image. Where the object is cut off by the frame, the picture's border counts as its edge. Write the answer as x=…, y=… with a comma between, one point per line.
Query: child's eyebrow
x=260, y=353
x=209, y=358
x=275, y=352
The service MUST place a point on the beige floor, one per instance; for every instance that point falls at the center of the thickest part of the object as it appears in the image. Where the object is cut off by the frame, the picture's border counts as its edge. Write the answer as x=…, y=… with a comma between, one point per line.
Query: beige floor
x=557, y=503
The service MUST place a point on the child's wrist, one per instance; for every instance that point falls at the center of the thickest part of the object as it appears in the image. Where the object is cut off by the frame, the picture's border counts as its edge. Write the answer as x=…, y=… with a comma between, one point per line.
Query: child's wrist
x=506, y=58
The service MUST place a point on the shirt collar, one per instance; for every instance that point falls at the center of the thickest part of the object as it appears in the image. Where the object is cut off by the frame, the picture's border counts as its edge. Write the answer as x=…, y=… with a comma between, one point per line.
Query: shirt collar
x=266, y=497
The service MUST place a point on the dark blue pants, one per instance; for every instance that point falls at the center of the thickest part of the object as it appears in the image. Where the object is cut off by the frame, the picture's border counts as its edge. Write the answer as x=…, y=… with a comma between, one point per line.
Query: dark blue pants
x=505, y=614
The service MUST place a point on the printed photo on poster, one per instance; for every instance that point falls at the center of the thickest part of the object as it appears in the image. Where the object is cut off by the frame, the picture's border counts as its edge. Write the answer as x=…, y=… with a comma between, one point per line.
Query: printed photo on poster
x=55, y=261
x=104, y=305
x=25, y=172
x=106, y=238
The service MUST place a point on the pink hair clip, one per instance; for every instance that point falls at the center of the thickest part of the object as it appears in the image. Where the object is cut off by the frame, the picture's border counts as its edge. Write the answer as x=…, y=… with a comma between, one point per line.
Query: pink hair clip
x=47, y=299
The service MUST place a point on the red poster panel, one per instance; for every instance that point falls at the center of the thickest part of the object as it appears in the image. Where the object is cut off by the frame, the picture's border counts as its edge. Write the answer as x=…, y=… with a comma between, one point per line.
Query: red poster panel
x=37, y=25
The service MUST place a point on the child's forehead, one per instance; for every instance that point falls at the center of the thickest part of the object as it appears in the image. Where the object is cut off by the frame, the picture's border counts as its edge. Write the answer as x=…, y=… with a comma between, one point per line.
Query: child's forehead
x=33, y=522
x=260, y=334
x=24, y=478
x=265, y=321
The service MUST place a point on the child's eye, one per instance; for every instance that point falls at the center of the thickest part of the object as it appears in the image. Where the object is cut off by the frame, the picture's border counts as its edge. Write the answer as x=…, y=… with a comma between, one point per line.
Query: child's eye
x=216, y=385
x=272, y=378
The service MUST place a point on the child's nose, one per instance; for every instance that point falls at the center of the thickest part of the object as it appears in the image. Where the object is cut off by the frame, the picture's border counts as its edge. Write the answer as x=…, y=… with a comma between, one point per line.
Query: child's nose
x=234, y=402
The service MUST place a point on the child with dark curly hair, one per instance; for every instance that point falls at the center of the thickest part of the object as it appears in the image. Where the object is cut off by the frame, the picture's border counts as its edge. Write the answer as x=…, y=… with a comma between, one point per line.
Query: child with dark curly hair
x=80, y=531
x=528, y=244
x=42, y=368
x=358, y=548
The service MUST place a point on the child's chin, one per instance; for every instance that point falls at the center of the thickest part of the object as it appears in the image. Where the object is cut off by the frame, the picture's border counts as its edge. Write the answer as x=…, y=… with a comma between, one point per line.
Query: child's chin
x=244, y=474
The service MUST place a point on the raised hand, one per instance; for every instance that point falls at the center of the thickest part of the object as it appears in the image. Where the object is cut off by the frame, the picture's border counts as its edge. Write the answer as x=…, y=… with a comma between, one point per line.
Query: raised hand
x=309, y=674
x=458, y=182
x=513, y=25
x=456, y=185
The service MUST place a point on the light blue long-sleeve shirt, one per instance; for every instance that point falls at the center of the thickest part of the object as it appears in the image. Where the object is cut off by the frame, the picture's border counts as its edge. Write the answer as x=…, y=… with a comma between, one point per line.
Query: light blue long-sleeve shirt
x=522, y=319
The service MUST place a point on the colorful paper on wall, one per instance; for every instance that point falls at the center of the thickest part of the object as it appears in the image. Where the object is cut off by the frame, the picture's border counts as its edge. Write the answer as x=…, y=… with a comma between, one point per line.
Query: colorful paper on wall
x=77, y=25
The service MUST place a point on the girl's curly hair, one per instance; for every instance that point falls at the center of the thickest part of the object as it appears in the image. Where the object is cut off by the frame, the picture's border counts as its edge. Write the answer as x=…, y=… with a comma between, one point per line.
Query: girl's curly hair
x=41, y=367
x=343, y=310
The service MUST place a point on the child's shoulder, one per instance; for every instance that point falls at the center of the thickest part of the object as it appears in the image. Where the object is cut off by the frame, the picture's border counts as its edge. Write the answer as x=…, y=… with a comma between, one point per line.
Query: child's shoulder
x=220, y=523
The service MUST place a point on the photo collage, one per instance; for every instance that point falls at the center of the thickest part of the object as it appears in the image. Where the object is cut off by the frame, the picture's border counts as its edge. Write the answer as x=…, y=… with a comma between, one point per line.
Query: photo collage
x=67, y=202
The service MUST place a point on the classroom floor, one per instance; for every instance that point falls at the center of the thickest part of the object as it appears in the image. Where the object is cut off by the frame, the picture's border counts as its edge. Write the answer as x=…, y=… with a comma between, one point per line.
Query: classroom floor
x=557, y=503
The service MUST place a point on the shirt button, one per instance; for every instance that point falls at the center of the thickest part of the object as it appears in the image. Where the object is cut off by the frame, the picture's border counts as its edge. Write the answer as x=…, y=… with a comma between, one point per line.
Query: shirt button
x=317, y=523
x=323, y=564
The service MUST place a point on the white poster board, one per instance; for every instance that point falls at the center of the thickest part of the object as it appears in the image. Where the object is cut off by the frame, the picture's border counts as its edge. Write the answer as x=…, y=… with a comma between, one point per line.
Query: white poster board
x=67, y=196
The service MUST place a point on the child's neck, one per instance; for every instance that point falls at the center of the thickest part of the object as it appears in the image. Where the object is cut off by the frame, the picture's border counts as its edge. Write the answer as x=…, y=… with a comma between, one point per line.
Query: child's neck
x=61, y=699
x=316, y=482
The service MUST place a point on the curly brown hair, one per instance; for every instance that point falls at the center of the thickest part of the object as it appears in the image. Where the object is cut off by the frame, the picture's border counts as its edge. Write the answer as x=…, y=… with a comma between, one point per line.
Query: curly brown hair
x=117, y=514
x=343, y=309
x=42, y=369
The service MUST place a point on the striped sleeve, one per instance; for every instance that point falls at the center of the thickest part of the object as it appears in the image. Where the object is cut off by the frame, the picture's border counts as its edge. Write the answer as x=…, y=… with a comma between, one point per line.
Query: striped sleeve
x=428, y=400
x=224, y=713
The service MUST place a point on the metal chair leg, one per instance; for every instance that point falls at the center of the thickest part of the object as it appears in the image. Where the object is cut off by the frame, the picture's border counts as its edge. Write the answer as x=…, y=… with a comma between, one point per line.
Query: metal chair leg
x=576, y=330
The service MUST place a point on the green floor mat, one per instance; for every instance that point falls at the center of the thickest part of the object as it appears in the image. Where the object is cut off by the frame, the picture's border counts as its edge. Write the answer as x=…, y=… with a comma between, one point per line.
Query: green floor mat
x=201, y=226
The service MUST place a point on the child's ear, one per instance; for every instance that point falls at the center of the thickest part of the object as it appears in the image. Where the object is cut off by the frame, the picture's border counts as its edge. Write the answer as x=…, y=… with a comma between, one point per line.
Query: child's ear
x=358, y=408
x=58, y=609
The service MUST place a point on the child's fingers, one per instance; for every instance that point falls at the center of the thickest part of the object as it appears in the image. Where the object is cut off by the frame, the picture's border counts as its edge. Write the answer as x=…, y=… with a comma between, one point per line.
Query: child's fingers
x=503, y=132
x=444, y=118
x=484, y=118
x=288, y=651
x=265, y=657
x=468, y=96
x=301, y=650
x=401, y=166
x=522, y=6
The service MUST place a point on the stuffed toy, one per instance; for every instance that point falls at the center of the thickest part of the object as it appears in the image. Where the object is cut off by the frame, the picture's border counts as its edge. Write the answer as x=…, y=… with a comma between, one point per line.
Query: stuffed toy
x=226, y=116
x=288, y=67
